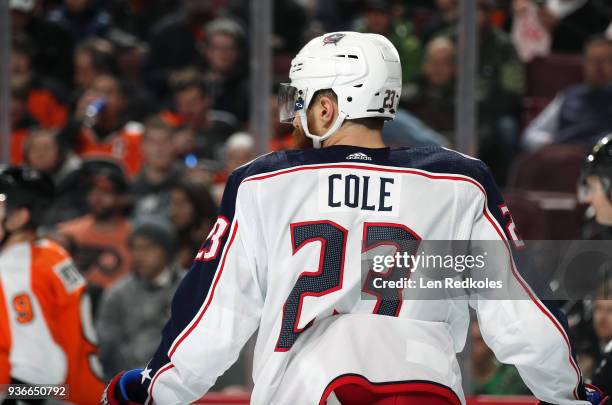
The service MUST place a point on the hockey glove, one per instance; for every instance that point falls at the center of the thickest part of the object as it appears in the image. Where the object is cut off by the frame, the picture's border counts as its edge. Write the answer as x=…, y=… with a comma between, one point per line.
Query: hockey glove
x=117, y=391
x=596, y=396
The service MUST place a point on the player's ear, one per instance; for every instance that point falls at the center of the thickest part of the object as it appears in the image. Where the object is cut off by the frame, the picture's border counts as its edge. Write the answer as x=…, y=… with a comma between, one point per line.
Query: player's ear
x=328, y=111
x=18, y=219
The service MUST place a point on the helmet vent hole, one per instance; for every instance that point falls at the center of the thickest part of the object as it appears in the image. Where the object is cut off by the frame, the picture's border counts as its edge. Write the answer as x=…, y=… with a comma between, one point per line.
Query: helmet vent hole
x=358, y=85
x=349, y=99
x=353, y=56
x=377, y=94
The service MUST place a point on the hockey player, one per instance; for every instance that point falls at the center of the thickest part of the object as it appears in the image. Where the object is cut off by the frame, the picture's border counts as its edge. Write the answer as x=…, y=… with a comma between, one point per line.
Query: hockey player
x=46, y=333
x=284, y=258
x=597, y=191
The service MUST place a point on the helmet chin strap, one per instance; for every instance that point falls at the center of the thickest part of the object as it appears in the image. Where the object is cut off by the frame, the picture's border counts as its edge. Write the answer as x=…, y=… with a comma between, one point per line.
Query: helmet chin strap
x=317, y=140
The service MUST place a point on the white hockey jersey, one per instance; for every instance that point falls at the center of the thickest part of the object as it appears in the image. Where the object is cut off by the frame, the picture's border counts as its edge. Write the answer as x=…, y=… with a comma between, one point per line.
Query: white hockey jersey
x=284, y=258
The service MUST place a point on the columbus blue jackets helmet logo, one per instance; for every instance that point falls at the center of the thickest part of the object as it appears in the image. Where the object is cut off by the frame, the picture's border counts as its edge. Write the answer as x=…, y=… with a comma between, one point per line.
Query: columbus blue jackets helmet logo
x=333, y=39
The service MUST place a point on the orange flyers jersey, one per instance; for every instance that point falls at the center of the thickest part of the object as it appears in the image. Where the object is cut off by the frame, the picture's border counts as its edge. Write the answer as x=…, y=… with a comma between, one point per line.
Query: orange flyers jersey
x=123, y=146
x=46, y=331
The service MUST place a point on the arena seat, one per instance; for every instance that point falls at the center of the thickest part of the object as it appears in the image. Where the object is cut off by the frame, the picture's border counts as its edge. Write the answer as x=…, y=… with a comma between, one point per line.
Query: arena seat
x=548, y=75
x=545, y=77
x=549, y=178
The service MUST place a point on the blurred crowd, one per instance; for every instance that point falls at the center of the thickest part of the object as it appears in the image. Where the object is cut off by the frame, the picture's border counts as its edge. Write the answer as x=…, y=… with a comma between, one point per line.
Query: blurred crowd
x=139, y=110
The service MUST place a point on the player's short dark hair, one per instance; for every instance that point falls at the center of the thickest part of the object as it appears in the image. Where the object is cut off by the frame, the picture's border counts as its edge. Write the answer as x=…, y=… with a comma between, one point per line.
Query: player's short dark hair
x=374, y=123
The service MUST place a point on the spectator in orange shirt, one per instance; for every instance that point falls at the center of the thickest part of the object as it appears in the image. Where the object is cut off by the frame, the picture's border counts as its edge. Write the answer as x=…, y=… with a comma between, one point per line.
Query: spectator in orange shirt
x=43, y=95
x=102, y=127
x=101, y=236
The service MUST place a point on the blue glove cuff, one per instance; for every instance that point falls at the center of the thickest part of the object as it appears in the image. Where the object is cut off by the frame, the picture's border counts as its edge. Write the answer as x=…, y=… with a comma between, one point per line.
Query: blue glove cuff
x=129, y=378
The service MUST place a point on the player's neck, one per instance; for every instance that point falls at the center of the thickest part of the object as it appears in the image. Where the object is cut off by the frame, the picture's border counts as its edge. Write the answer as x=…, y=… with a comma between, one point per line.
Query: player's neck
x=19, y=237
x=356, y=135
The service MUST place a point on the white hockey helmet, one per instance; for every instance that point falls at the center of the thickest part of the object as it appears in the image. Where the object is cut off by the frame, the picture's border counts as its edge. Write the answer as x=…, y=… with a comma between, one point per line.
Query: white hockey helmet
x=363, y=70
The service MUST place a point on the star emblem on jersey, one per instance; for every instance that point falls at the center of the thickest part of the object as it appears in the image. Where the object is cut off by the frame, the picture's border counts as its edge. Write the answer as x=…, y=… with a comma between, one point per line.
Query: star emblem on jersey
x=146, y=375
x=333, y=39
x=358, y=156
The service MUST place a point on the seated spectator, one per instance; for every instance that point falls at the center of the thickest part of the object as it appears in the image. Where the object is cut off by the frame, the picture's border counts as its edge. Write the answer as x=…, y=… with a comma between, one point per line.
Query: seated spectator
x=82, y=18
x=377, y=19
x=173, y=42
x=489, y=376
x=45, y=98
x=92, y=58
x=133, y=312
x=53, y=52
x=434, y=101
x=159, y=173
x=205, y=133
x=602, y=323
x=580, y=114
x=20, y=121
x=44, y=152
x=225, y=76
x=193, y=212
x=101, y=236
x=102, y=126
